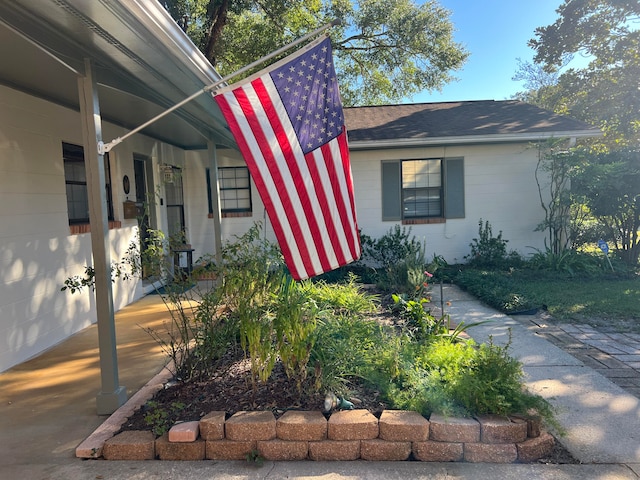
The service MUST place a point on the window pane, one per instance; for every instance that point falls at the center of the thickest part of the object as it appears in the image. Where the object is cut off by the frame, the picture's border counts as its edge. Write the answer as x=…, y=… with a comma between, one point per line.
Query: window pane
x=77, y=202
x=421, y=188
x=235, y=189
x=76, y=184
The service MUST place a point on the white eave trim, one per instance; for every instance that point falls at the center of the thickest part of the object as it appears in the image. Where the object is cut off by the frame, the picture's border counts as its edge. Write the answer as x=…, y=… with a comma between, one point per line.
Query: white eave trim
x=157, y=20
x=469, y=139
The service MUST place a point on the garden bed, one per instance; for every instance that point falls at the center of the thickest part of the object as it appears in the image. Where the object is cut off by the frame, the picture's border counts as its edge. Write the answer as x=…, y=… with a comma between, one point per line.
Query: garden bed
x=229, y=393
x=345, y=435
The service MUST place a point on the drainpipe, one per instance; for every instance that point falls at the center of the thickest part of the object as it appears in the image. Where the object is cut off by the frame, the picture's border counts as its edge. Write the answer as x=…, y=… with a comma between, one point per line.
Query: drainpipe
x=111, y=395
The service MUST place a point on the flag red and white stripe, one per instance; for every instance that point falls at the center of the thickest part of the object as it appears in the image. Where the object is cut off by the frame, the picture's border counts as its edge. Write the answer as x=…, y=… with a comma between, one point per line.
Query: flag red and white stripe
x=288, y=123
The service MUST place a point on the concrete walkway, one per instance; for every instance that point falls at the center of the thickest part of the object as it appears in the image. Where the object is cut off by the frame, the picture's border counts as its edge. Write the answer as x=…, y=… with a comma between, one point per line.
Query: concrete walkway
x=47, y=408
x=601, y=418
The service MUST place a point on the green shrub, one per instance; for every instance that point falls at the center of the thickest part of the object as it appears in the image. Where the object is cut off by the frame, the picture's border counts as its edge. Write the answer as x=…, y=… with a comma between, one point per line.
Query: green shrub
x=489, y=251
x=295, y=318
x=464, y=379
x=570, y=262
x=494, y=385
x=398, y=256
x=346, y=347
x=496, y=289
x=344, y=297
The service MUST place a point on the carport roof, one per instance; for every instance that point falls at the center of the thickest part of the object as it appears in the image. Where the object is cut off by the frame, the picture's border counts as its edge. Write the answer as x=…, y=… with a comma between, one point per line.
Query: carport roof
x=143, y=62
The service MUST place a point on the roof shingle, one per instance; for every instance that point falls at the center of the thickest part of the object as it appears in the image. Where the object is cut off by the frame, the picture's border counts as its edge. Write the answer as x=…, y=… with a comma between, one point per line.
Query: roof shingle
x=454, y=119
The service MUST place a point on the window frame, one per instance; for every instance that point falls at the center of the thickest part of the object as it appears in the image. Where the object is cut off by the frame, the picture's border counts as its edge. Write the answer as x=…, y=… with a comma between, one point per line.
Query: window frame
x=223, y=188
x=452, y=191
x=416, y=190
x=75, y=153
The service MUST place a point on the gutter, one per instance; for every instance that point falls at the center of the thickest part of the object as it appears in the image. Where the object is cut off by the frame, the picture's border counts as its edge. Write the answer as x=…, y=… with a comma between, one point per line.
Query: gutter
x=157, y=21
x=470, y=139
x=159, y=24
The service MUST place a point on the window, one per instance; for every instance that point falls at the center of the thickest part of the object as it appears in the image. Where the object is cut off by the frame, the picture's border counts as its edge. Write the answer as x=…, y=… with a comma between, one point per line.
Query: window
x=235, y=190
x=422, y=190
x=175, y=206
x=75, y=177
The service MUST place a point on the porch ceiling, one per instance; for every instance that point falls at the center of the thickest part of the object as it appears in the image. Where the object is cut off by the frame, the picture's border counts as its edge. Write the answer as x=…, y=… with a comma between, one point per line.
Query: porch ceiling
x=143, y=63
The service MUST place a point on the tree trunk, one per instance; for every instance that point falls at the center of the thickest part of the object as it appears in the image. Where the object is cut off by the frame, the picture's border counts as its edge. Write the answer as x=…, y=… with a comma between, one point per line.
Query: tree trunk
x=217, y=14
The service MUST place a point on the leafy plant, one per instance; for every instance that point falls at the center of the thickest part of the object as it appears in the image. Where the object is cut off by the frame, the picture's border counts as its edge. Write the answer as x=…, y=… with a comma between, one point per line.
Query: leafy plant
x=161, y=419
x=126, y=269
x=463, y=379
x=254, y=458
x=295, y=315
x=487, y=250
x=341, y=298
x=566, y=261
x=346, y=347
x=395, y=254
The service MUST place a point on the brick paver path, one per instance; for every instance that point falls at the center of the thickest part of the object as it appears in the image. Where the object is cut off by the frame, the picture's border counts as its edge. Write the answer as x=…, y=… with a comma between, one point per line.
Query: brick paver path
x=614, y=355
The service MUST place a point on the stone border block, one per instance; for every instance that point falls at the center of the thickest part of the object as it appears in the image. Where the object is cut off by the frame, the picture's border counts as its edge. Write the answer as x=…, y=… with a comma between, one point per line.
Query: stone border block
x=301, y=426
x=403, y=426
x=453, y=429
x=167, y=450
x=431, y=451
x=334, y=450
x=279, y=450
x=212, y=426
x=357, y=424
x=228, y=449
x=490, y=452
x=184, y=432
x=383, y=450
x=534, y=424
x=251, y=426
x=535, y=448
x=499, y=429
x=130, y=445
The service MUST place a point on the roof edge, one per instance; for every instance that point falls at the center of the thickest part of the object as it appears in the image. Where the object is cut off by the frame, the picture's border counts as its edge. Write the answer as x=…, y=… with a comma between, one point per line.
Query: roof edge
x=471, y=139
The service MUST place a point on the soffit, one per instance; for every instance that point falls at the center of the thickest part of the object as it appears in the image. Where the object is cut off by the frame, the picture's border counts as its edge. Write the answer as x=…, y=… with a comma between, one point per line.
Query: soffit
x=143, y=64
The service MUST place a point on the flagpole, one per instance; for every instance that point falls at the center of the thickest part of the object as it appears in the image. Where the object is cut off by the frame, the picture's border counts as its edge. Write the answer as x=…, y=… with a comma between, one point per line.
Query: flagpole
x=106, y=147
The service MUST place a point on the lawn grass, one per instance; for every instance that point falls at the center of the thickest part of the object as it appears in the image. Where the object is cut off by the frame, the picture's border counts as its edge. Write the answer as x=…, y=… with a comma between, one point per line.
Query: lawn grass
x=576, y=298
x=602, y=301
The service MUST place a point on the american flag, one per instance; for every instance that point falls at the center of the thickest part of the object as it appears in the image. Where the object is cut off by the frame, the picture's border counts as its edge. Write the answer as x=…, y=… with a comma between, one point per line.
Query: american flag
x=289, y=126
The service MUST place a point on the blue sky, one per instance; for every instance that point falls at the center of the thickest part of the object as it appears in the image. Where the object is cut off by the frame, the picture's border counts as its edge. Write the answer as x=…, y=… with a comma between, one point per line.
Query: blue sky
x=495, y=32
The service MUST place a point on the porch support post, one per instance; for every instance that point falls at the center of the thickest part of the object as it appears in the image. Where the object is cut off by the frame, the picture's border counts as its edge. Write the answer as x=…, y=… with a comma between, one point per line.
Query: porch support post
x=215, y=198
x=111, y=395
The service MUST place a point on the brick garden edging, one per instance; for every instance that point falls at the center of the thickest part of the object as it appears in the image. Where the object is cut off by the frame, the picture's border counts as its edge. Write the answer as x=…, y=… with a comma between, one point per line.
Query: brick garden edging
x=347, y=435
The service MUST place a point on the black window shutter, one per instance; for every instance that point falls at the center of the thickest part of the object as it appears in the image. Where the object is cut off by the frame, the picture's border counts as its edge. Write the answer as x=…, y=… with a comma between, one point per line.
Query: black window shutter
x=454, y=188
x=391, y=184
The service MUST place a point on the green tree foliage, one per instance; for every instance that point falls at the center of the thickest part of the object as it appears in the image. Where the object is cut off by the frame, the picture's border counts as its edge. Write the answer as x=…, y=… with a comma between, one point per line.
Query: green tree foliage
x=610, y=186
x=606, y=92
x=385, y=50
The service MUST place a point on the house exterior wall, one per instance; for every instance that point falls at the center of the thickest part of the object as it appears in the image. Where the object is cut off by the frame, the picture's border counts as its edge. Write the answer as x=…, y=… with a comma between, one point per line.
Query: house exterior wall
x=37, y=249
x=499, y=186
x=200, y=224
